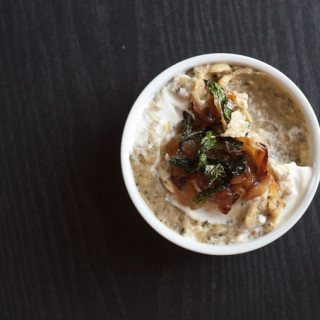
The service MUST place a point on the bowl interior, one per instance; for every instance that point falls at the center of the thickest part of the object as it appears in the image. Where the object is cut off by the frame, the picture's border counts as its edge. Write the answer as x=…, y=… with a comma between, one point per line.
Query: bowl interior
x=133, y=121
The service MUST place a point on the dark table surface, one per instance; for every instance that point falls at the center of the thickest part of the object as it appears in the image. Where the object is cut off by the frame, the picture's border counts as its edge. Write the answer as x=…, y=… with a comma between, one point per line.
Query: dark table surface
x=72, y=245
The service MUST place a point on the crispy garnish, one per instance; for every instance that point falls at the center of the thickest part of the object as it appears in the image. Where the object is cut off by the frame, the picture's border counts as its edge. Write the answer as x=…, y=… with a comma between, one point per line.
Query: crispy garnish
x=206, y=166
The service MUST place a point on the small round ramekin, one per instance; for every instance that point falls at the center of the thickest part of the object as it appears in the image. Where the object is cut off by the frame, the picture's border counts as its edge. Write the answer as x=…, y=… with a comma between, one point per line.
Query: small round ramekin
x=128, y=139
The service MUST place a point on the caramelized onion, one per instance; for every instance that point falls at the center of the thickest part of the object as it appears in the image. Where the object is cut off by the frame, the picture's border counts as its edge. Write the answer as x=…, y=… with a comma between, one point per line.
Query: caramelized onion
x=225, y=198
x=194, y=184
x=172, y=146
x=209, y=115
x=258, y=152
x=179, y=182
x=258, y=188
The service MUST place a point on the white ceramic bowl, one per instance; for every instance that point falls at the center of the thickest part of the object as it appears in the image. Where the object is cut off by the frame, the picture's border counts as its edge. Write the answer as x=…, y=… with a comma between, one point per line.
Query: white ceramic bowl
x=127, y=141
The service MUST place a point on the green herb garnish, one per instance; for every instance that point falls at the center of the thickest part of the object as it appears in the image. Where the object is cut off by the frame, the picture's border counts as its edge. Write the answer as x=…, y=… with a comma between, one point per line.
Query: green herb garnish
x=220, y=99
x=214, y=172
x=232, y=144
x=202, y=196
x=224, y=171
x=236, y=165
x=189, y=165
x=202, y=161
x=210, y=141
x=187, y=129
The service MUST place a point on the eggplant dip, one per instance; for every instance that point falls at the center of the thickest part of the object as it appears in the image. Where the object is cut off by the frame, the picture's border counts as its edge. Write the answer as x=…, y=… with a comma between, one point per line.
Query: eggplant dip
x=221, y=154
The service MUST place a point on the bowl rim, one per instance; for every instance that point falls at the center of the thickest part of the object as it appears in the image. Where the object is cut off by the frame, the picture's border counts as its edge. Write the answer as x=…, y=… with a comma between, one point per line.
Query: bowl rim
x=147, y=94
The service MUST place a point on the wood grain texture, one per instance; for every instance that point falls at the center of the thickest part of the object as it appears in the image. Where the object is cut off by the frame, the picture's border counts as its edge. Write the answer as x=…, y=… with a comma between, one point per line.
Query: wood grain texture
x=72, y=246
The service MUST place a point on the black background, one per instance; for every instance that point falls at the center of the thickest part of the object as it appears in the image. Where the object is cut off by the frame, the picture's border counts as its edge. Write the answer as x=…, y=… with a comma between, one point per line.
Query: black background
x=72, y=245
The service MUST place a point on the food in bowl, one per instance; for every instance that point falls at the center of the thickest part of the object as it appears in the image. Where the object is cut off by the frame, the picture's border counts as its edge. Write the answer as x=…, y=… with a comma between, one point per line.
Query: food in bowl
x=221, y=154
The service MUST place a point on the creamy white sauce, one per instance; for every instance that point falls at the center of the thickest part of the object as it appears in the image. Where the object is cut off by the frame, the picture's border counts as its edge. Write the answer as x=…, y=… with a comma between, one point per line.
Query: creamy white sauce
x=300, y=178
x=168, y=115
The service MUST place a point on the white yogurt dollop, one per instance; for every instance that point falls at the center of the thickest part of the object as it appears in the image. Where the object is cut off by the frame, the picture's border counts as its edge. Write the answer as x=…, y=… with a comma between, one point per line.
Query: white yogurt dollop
x=168, y=115
x=300, y=178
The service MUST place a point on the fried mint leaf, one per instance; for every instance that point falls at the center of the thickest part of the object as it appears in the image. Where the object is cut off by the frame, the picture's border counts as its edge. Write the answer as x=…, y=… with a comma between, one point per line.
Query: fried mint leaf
x=233, y=145
x=187, y=164
x=225, y=110
x=220, y=99
x=210, y=141
x=187, y=127
x=202, y=196
x=236, y=165
x=187, y=122
x=202, y=161
x=207, y=143
x=215, y=90
x=214, y=172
